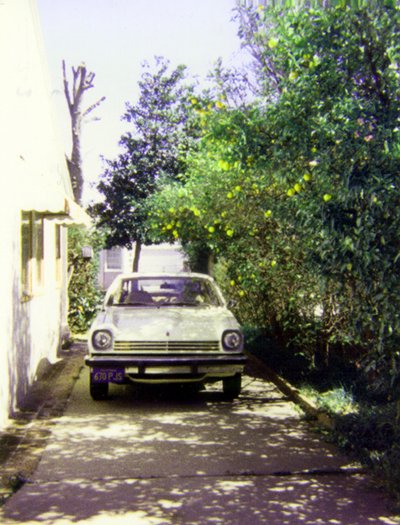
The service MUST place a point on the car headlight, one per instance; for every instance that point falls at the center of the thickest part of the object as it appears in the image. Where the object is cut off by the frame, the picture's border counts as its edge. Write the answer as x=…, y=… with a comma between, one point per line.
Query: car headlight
x=102, y=340
x=232, y=340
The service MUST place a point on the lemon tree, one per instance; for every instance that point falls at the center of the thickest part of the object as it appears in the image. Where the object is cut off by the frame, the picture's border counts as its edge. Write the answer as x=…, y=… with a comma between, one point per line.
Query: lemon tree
x=297, y=192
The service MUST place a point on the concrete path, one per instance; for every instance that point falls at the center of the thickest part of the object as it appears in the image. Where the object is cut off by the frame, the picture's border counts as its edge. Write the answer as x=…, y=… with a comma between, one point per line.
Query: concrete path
x=173, y=458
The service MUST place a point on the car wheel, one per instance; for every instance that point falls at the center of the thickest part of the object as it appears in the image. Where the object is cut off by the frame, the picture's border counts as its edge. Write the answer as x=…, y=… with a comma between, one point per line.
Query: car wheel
x=232, y=386
x=98, y=391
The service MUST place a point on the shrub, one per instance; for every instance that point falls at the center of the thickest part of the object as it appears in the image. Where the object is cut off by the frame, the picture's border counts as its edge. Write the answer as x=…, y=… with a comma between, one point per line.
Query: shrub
x=83, y=293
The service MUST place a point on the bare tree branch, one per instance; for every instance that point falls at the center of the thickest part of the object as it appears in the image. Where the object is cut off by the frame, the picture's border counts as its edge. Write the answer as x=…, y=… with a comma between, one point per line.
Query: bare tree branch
x=93, y=106
x=82, y=80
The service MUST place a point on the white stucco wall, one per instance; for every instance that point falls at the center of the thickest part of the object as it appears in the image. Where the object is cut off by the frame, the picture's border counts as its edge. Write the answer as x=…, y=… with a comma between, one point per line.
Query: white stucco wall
x=162, y=258
x=33, y=176
x=30, y=329
x=8, y=255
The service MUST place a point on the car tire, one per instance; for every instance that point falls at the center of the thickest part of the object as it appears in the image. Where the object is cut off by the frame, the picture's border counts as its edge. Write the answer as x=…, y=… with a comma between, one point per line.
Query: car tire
x=98, y=391
x=232, y=386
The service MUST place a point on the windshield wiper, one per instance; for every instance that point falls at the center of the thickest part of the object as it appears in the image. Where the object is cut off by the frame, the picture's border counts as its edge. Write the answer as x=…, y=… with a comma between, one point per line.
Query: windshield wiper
x=135, y=304
x=182, y=303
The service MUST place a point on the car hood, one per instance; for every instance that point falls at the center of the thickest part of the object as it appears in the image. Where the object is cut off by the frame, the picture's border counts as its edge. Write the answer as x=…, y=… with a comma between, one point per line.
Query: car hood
x=177, y=324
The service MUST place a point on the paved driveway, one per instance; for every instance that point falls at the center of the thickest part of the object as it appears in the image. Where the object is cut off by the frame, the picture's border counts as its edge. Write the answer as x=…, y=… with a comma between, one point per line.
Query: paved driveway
x=174, y=458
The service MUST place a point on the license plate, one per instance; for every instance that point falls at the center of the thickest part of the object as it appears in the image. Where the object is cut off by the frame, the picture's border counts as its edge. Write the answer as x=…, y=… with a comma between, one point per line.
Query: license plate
x=108, y=375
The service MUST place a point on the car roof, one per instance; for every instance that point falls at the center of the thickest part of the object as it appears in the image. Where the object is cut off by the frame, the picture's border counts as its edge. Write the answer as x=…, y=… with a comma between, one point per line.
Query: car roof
x=117, y=282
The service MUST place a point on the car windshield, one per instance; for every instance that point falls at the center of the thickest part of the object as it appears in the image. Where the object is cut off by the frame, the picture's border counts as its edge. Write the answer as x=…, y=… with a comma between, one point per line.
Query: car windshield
x=166, y=291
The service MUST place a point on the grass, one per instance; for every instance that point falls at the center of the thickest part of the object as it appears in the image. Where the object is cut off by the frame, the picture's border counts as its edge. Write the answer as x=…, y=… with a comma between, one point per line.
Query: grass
x=337, y=401
x=367, y=421
x=368, y=431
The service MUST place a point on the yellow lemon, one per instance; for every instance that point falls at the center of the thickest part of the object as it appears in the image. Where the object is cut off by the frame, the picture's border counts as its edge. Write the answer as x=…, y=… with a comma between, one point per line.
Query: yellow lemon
x=224, y=165
x=272, y=43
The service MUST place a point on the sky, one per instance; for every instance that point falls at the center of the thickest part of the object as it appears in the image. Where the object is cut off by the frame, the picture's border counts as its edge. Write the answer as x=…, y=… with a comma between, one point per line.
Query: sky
x=113, y=38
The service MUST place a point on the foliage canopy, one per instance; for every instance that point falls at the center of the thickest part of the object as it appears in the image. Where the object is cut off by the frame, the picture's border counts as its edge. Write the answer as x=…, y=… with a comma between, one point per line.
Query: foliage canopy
x=297, y=193
x=156, y=144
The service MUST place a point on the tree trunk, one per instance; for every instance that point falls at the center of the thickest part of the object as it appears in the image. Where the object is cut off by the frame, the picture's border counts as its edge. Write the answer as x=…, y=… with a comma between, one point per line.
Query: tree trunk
x=204, y=261
x=75, y=162
x=136, y=258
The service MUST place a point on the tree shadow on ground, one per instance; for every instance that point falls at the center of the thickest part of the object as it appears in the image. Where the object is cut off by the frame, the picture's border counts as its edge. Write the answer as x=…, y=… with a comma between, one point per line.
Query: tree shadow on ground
x=182, y=458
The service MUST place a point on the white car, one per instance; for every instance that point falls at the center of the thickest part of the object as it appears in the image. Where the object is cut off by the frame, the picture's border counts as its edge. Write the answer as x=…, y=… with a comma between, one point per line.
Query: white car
x=165, y=328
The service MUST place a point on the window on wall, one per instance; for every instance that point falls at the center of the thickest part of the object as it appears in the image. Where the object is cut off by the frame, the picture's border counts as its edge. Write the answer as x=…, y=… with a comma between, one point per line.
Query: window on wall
x=32, y=251
x=114, y=259
x=26, y=251
x=58, y=246
x=38, y=240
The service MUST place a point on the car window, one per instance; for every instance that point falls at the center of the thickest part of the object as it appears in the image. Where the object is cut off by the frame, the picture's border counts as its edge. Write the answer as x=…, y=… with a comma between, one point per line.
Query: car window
x=166, y=291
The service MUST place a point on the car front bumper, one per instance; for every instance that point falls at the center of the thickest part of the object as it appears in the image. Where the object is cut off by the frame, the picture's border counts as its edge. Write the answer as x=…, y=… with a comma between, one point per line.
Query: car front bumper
x=164, y=368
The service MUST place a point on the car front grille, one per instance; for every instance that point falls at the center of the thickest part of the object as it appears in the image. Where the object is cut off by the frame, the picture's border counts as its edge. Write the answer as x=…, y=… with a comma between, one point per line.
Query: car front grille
x=166, y=346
